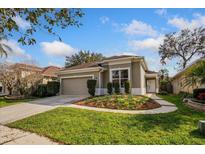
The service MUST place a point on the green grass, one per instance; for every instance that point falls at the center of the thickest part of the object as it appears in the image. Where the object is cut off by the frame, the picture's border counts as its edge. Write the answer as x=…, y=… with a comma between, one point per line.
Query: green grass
x=4, y=102
x=77, y=126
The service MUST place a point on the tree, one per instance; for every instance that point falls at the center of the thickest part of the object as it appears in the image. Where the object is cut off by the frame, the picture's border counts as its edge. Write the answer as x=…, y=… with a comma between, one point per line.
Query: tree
x=183, y=45
x=82, y=57
x=195, y=75
x=7, y=77
x=39, y=19
x=164, y=74
x=11, y=77
x=26, y=85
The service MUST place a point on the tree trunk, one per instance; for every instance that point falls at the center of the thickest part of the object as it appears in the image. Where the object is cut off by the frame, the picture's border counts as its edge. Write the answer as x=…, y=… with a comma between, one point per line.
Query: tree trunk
x=201, y=126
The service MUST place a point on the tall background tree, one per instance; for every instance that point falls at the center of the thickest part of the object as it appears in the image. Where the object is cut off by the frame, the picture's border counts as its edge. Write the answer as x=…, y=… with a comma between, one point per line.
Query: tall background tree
x=39, y=19
x=164, y=74
x=83, y=56
x=183, y=45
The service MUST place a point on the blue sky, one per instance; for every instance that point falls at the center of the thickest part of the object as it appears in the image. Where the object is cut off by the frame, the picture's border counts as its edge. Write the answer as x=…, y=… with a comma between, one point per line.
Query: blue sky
x=110, y=32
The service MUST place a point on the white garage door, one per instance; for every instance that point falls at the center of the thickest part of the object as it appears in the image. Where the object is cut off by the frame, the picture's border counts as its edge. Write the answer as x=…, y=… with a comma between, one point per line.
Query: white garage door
x=74, y=86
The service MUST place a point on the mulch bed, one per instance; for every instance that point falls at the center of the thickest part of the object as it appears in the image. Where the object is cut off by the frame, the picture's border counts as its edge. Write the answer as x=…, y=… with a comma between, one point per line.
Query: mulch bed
x=151, y=104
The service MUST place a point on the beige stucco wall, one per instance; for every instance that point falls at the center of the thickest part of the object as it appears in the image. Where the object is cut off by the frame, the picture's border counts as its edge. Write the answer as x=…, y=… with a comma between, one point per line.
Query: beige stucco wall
x=96, y=75
x=105, y=78
x=136, y=75
x=142, y=80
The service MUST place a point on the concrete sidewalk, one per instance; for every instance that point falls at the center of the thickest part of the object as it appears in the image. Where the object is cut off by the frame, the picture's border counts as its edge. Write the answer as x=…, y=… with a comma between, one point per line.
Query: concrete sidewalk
x=17, y=137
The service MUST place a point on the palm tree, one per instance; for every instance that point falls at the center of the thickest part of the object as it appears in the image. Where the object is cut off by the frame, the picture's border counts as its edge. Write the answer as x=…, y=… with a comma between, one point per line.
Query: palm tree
x=195, y=75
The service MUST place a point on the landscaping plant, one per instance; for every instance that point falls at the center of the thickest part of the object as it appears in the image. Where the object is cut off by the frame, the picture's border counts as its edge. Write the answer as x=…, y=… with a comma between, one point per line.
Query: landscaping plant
x=117, y=87
x=53, y=88
x=127, y=87
x=91, y=84
x=109, y=88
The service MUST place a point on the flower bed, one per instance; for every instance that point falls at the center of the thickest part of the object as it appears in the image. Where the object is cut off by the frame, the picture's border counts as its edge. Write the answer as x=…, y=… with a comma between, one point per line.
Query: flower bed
x=121, y=102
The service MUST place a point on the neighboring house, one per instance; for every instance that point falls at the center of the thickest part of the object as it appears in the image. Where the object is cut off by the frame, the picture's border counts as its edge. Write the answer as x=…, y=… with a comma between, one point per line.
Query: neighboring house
x=113, y=69
x=50, y=74
x=178, y=80
x=26, y=69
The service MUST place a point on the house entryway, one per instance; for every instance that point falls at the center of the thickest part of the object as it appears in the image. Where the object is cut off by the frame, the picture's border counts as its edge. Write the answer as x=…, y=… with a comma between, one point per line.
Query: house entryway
x=151, y=86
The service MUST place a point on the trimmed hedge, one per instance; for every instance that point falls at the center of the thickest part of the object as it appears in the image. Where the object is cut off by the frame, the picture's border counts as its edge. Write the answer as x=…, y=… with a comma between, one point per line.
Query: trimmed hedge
x=42, y=90
x=109, y=88
x=53, y=88
x=117, y=87
x=197, y=92
x=127, y=87
x=91, y=84
x=49, y=89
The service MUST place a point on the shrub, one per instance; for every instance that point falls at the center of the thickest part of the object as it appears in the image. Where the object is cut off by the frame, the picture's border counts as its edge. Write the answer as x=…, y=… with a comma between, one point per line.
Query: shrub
x=127, y=87
x=163, y=93
x=42, y=90
x=198, y=91
x=169, y=87
x=109, y=88
x=117, y=87
x=166, y=86
x=53, y=88
x=183, y=95
x=91, y=84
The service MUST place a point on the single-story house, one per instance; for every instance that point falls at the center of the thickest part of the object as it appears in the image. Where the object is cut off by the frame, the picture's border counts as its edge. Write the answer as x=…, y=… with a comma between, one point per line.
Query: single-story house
x=73, y=80
x=178, y=80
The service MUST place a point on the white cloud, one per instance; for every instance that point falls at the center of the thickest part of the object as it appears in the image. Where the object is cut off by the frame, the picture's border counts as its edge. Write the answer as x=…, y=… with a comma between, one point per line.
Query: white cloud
x=161, y=12
x=151, y=44
x=21, y=23
x=139, y=28
x=16, y=50
x=104, y=19
x=57, y=48
x=182, y=23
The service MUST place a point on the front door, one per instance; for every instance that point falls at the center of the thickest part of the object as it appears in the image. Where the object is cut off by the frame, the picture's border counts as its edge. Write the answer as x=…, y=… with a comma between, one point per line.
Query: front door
x=151, y=86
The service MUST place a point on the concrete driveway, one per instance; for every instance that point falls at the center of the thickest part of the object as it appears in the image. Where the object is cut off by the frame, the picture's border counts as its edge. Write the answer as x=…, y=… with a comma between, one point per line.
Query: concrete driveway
x=20, y=111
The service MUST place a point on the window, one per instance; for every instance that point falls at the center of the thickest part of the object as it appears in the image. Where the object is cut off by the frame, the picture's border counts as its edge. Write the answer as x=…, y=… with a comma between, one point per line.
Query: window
x=120, y=76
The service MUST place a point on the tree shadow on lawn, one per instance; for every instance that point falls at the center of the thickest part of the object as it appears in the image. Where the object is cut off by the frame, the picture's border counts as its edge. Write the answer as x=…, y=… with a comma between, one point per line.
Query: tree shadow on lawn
x=166, y=122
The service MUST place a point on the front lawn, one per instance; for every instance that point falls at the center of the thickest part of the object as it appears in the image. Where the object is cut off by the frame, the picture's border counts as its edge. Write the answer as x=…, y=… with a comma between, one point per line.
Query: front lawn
x=121, y=102
x=78, y=126
x=4, y=102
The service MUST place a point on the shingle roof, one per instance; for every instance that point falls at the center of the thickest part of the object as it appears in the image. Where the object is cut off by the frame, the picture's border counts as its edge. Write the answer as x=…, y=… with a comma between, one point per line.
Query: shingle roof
x=121, y=56
x=95, y=64
x=84, y=65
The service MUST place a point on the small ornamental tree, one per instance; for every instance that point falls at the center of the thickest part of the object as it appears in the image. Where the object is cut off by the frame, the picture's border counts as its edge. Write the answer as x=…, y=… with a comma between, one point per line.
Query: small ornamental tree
x=109, y=88
x=127, y=87
x=117, y=87
x=91, y=84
